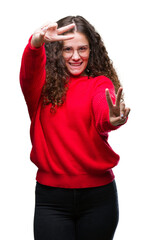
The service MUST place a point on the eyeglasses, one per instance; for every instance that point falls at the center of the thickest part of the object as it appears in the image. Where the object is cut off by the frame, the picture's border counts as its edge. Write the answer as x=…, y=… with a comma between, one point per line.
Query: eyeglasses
x=83, y=51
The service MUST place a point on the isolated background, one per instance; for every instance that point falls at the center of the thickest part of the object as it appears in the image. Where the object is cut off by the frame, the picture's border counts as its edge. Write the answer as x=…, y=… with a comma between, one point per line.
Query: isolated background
x=124, y=27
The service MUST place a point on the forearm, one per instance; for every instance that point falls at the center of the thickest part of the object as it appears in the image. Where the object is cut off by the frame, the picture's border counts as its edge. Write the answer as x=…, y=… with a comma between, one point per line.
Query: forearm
x=32, y=66
x=32, y=74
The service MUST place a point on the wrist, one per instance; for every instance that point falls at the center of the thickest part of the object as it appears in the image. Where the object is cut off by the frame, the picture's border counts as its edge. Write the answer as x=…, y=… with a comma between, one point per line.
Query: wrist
x=35, y=42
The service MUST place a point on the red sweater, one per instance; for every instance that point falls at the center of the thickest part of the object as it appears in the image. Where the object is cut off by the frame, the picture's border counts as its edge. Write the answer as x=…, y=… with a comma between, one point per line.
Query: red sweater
x=69, y=147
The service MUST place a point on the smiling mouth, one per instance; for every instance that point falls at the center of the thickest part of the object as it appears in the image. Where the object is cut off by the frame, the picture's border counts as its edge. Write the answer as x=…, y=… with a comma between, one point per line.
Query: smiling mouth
x=75, y=64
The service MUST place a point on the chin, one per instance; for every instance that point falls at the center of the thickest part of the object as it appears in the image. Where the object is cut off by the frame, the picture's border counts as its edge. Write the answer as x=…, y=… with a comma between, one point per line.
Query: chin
x=77, y=72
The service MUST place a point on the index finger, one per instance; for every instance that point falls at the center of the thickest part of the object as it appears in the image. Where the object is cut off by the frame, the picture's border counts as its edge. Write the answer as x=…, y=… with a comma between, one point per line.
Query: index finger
x=61, y=37
x=108, y=97
x=65, y=28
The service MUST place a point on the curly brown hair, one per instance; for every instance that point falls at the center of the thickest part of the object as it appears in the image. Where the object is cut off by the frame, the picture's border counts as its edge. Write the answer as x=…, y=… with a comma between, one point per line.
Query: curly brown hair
x=57, y=76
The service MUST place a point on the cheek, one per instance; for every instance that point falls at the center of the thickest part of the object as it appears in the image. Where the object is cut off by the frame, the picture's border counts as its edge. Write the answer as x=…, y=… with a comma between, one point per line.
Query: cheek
x=87, y=58
x=85, y=61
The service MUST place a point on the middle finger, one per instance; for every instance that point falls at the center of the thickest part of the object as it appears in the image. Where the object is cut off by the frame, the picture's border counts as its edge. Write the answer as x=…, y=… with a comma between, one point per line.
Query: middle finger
x=118, y=98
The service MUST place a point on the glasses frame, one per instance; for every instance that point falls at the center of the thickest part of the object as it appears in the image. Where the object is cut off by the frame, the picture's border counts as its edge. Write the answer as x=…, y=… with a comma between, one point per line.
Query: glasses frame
x=83, y=51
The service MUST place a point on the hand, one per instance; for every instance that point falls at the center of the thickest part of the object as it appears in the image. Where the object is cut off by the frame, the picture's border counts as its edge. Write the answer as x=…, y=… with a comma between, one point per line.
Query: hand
x=50, y=33
x=118, y=113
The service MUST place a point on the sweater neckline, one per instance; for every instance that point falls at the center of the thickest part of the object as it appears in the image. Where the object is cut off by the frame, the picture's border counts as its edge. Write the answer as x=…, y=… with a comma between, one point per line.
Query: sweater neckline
x=73, y=79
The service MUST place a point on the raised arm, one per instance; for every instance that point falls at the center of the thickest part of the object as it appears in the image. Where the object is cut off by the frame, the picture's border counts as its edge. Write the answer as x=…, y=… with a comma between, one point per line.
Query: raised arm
x=32, y=72
x=32, y=75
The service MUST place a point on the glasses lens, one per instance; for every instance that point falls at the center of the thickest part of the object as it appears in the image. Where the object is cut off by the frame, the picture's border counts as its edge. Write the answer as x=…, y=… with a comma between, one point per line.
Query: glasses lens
x=83, y=51
x=67, y=52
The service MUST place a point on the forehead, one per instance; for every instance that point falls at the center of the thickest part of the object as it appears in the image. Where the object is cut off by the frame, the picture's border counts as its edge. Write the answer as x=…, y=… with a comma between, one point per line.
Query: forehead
x=79, y=39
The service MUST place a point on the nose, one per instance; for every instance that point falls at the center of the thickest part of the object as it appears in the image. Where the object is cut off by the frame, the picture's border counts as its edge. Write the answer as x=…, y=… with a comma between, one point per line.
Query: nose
x=75, y=55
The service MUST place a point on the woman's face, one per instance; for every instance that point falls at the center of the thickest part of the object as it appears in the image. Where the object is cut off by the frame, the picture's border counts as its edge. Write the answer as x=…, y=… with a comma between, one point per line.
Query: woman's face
x=76, y=54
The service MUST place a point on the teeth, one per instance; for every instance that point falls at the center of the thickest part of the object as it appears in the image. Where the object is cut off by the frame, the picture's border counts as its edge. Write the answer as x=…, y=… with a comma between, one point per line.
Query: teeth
x=75, y=64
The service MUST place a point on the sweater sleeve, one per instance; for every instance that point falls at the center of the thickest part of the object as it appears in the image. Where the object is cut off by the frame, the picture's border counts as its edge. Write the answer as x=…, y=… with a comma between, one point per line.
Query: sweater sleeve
x=32, y=75
x=100, y=106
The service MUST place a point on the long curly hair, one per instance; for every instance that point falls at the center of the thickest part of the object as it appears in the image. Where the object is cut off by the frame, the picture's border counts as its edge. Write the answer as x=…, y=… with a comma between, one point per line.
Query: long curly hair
x=57, y=76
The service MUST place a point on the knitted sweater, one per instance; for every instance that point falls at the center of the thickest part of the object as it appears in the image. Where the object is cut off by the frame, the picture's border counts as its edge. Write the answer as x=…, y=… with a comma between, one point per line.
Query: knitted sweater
x=70, y=148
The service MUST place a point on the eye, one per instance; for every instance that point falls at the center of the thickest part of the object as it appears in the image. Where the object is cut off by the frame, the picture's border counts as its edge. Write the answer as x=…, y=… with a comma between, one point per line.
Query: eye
x=83, y=48
x=67, y=49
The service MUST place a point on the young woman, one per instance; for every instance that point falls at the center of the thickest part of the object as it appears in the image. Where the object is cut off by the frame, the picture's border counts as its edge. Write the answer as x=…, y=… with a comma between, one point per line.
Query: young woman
x=74, y=99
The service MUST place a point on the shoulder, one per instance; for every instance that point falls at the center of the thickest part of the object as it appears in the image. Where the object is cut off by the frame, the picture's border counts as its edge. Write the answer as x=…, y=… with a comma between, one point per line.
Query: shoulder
x=102, y=82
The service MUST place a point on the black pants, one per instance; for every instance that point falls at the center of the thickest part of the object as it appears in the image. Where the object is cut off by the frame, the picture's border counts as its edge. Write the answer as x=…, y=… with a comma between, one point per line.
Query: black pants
x=76, y=214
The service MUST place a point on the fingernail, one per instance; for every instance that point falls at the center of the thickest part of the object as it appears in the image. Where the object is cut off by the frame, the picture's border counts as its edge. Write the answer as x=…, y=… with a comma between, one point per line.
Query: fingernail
x=44, y=28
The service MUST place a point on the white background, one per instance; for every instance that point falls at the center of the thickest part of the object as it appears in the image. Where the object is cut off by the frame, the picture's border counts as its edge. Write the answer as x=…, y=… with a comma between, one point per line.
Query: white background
x=124, y=27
